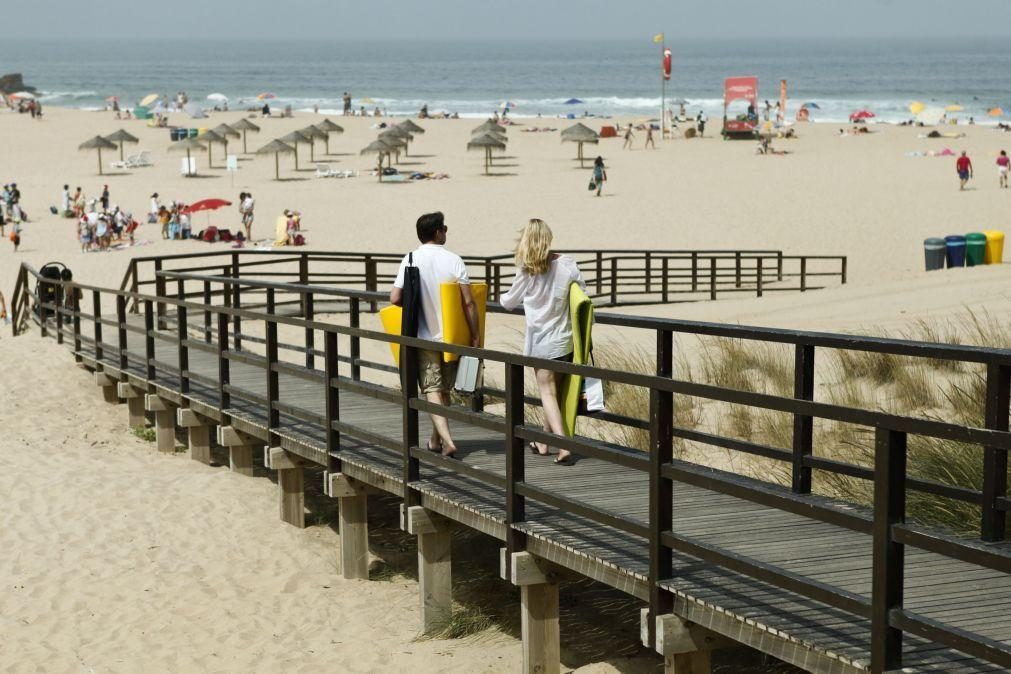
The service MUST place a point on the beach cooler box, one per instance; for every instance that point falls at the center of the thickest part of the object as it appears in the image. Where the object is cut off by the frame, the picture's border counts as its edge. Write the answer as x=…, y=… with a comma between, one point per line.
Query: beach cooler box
x=955, y=249
x=933, y=252
x=994, y=246
x=608, y=132
x=975, y=249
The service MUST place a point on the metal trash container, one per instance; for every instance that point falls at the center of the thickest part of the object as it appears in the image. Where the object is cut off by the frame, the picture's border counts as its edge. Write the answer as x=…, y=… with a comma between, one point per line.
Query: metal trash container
x=934, y=253
x=955, y=249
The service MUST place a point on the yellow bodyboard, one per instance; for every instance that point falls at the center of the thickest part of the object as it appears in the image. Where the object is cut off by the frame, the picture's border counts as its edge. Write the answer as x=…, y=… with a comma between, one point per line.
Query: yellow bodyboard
x=454, y=322
x=392, y=318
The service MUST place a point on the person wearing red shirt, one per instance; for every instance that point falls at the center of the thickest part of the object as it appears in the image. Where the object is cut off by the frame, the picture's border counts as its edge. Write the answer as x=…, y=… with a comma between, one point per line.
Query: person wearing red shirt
x=963, y=165
x=1003, y=165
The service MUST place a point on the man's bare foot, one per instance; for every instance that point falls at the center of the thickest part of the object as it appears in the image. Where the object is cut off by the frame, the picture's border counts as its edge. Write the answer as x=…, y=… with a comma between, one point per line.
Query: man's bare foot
x=448, y=451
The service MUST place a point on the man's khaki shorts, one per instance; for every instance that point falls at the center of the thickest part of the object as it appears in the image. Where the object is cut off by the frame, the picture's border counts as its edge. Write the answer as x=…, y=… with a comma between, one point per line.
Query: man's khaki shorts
x=435, y=375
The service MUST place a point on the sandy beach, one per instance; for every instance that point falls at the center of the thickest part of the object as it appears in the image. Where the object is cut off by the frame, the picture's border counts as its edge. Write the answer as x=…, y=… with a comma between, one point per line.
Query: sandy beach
x=121, y=555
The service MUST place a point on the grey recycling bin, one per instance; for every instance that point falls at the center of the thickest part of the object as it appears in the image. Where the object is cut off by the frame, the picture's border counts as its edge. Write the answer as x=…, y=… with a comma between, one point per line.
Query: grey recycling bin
x=934, y=251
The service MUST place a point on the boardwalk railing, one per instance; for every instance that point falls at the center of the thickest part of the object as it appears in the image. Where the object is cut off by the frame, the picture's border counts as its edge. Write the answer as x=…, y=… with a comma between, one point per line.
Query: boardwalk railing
x=614, y=277
x=302, y=348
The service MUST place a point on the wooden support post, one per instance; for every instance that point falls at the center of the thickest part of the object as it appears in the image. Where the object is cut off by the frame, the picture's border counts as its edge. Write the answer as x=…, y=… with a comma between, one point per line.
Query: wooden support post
x=134, y=403
x=291, y=485
x=240, y=449
x=110, y=393
x=353, y=498
x=434, y=566
x=685, y=646
x=538, y=581
x=164, y=421
x=199, y=431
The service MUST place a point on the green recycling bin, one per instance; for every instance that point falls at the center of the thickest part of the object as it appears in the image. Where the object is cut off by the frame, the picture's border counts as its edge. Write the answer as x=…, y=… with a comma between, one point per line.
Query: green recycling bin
x=975, y=249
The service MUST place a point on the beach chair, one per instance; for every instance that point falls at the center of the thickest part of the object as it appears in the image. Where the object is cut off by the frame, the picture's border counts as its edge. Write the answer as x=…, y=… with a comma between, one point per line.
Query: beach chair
x=141, y=159
x=324, y=171
x=124, y=163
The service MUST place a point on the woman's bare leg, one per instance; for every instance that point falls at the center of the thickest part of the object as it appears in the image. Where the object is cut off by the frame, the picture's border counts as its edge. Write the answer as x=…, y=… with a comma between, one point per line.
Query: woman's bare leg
x=547, y=383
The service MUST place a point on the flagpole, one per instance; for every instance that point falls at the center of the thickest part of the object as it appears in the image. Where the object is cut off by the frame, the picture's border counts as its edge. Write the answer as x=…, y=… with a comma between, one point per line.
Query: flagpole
x=663, y=91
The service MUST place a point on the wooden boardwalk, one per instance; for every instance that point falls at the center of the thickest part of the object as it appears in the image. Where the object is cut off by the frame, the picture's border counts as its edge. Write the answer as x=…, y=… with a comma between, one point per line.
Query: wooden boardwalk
x=807, y=633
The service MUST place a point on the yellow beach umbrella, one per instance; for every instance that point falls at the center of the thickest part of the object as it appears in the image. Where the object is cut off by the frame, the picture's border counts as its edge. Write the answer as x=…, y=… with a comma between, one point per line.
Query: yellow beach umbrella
x=916, y=107
x=954, y=108
x=148, y=100
x=996, y=112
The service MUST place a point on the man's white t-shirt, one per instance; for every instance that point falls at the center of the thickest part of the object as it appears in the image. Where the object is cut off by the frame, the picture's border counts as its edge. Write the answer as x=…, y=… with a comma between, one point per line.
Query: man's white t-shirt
x=436, y=266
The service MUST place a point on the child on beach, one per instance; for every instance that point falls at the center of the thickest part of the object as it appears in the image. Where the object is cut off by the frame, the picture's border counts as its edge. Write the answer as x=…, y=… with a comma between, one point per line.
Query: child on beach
x=246, y=204
x=1003, y=162
x=963, y=166
x=16, y=234
x=599, y=174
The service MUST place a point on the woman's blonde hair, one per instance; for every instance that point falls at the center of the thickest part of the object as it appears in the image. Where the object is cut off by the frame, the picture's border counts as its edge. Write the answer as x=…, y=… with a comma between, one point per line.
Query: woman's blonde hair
x=533, y=251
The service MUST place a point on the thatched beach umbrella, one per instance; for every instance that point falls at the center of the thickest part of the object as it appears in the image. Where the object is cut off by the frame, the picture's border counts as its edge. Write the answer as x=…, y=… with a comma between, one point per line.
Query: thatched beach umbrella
x=122, y=136
x=380, y=148
x=245, y=125
x=487, y=126
x=400, y=137
x=226, y=132
x=580, y=133
x=410, y=126
x=277, y=148
x=487, y=143
x=211, y=137
x=97, y=143
x=397, y=144
x=294, y=138
x=330, y=128
x=189, y=145
x=313, y=132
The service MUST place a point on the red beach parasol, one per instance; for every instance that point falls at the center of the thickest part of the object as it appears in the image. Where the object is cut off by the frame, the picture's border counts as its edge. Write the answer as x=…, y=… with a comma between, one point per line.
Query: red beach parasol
x=861, y=114
x=206, y=205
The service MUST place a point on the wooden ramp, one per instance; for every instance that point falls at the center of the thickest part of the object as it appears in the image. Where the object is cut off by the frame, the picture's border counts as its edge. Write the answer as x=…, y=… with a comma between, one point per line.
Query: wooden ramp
x=724, y=599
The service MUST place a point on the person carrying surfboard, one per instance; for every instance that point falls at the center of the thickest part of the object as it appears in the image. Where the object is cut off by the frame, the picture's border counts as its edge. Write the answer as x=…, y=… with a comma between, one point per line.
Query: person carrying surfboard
x=541, y=285
x=437, y=265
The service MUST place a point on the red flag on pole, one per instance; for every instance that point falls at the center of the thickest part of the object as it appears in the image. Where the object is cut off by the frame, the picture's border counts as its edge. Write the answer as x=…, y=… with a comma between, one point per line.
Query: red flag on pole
x=666, y=64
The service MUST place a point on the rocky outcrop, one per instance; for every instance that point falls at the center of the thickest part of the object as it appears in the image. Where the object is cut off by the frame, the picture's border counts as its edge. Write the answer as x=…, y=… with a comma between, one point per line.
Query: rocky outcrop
x=13, y=83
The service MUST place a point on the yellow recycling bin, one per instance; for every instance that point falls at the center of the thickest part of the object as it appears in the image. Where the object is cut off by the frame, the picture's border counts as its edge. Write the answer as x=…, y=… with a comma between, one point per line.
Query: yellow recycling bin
x=994, y=246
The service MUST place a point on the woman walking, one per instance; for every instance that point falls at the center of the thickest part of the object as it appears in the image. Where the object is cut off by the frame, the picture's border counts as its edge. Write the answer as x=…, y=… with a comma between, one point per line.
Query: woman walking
x=599, y=174
x=542, y=286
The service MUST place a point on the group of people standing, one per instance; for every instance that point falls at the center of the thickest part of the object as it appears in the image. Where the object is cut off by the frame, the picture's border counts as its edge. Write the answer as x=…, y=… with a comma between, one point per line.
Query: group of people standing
x=541, y=286
x=11, y=213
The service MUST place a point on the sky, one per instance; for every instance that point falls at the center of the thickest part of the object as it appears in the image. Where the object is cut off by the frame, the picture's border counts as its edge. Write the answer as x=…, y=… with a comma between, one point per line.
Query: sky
x=387, y=20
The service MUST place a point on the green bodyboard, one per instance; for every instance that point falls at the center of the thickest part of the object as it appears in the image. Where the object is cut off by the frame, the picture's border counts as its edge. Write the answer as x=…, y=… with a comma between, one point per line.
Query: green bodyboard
x=581, y=313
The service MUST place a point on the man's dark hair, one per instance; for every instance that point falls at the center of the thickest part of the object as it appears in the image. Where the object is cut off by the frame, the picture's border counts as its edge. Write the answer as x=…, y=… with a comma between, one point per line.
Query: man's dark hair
x=429, y=224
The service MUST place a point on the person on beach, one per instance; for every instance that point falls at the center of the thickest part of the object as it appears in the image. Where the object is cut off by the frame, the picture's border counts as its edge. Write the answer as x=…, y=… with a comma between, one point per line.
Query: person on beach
x=155, y=208
x=77, y=204
x=649, y=137
x=246, y=204
x=65, y=202
x=15, y=235
x=541, y=285
x=628, y=138
x=599, y=174
x=436, y=265
x=1003, y=163
x=963, y=166
x=700, y=123
x=105, y=198
x=346, y=98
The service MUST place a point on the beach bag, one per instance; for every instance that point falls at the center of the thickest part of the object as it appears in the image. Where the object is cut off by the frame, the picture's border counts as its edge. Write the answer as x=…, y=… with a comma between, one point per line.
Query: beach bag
x=411, y=299
x=593, y=185
x=224, y=235
x=299, y=240
x=592, y=398
x=53, y=210
x=468, y=374
x=210, y=235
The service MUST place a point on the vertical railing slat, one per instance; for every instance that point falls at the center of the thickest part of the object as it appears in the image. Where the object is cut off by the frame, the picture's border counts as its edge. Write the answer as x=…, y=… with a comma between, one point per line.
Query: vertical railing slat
x=998, y=397
x=889, y=562
x=803, y=425
x=661, y=489
x=515, y=417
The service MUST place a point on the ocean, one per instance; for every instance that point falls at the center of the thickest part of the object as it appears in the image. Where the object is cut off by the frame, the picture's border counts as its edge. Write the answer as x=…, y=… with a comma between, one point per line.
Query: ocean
x=474, y=78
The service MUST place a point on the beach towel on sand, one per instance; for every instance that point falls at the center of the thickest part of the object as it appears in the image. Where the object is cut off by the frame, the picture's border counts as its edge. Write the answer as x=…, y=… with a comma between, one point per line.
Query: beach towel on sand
x=581, y=313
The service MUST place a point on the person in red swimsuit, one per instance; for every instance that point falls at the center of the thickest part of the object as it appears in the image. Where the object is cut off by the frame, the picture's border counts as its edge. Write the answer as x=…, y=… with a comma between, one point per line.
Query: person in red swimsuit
x=963, y=165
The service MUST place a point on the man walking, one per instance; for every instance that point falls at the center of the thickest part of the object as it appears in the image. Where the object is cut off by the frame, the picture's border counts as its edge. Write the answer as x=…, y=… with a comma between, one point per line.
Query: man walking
x=963, y=166
x=628, y=138
x=436, y=265
x=347, y=104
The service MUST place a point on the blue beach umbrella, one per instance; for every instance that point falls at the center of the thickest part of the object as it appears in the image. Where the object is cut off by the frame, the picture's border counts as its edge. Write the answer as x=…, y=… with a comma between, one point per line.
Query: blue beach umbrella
x=573, y=101
x=811, y=106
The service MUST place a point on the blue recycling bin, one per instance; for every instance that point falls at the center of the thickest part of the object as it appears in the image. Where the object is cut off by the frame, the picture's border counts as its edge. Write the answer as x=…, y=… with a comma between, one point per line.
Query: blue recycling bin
x=933, y=249
x=955, y=249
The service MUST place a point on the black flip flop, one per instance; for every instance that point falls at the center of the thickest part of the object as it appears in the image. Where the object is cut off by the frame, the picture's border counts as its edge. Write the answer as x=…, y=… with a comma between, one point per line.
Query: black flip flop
x=567, y=461
x=533, y=449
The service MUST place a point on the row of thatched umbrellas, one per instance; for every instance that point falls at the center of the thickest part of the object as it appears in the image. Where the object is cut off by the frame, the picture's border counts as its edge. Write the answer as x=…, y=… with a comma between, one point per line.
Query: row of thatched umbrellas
x=391, y=142
x=488, y=136
x=287, y=144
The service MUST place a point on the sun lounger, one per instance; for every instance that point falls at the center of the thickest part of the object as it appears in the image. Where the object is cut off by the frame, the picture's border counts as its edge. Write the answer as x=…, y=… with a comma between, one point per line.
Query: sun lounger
x=139, y=160
x=324, y=171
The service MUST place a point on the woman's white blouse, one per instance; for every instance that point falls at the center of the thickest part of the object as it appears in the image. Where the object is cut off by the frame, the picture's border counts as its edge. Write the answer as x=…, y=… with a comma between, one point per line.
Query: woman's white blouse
x=545, y=300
